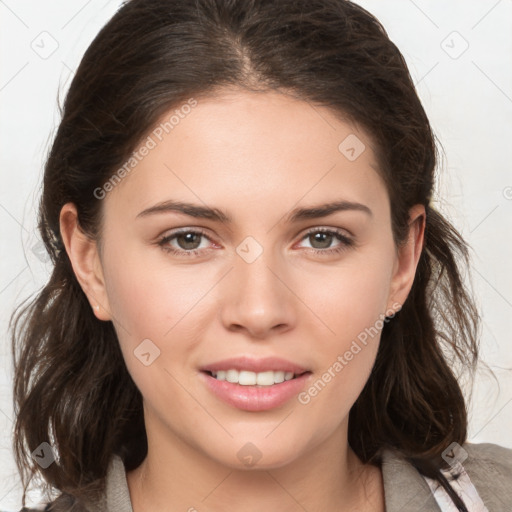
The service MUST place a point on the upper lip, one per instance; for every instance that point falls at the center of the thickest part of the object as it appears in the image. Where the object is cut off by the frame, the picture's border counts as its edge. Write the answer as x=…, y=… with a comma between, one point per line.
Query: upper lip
x=255, y=365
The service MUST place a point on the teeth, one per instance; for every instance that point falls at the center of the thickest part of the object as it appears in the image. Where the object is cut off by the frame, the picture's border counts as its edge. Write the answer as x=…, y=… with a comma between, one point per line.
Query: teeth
x=246, y=378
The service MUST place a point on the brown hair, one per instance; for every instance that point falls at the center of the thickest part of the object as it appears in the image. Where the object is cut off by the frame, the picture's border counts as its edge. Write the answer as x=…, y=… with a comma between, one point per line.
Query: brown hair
x=72, y=388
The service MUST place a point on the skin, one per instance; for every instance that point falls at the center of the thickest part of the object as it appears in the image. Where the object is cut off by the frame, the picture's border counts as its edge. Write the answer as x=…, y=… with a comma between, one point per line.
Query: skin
x=256, y=156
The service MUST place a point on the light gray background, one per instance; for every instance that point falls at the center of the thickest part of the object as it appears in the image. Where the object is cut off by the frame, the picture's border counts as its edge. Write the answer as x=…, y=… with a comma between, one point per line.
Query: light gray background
x=467, y=93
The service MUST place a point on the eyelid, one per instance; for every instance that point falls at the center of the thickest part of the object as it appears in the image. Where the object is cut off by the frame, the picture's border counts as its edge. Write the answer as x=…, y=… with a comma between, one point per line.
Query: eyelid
x=342, y=231
x=204, y=231
x=171, y=234
x=346, y=240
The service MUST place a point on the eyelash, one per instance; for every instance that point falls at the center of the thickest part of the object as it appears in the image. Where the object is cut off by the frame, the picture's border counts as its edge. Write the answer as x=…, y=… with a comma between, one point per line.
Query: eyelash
x=345, y=242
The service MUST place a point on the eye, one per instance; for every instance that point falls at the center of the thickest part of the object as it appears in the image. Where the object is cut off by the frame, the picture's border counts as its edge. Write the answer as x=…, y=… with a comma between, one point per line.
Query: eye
x=187, y=242
x=323, y=239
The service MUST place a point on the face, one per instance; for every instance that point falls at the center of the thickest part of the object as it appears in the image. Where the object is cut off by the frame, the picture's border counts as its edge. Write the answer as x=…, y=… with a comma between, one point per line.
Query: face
x=259, y=272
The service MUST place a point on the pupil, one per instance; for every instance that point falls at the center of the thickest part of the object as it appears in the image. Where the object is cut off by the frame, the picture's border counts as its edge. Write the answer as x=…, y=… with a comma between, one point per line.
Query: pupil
x=326, y=242
x=189, y=239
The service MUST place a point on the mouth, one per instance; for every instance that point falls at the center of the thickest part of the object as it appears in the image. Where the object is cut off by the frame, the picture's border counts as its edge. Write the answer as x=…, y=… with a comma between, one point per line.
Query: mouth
x=258, y=379
x=255, y=391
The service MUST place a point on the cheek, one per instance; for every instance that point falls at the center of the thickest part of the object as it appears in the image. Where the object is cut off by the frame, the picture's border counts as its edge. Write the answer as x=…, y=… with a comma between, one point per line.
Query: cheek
x=152, y=306
x=154, y=309
x=149, y=297
x=349, y=299
x=353, y=306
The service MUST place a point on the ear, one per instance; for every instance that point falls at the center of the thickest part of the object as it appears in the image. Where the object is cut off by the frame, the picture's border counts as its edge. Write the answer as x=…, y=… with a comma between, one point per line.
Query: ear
x=85, y=260
x=408, y=256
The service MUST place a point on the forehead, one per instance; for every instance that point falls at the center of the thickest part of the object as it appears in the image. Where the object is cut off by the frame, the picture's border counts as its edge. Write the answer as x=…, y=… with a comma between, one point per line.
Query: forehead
x=248, y=149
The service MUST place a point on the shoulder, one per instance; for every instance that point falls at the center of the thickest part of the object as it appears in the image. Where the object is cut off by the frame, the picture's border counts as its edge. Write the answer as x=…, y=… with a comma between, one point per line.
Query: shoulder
x=489, y=467
x=498, y=457
x=63, y=503
x=486, y=468
x=110, y=501
x=39, y=508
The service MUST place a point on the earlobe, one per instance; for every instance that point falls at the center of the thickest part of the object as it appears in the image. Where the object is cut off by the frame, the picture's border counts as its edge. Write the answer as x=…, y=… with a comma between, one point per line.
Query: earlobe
x=83, y=254
x=408, y=258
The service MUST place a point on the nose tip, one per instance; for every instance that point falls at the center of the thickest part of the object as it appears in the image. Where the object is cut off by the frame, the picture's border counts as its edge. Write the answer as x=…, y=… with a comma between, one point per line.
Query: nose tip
x=257, y=329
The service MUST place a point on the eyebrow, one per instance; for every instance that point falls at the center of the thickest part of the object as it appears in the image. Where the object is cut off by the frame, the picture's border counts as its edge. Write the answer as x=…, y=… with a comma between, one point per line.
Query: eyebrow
x=205, y=212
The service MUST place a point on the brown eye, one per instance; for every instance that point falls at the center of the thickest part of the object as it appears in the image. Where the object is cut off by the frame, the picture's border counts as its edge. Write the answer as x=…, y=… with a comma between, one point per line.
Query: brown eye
x=189, y=240
x=184, y=243
x=322, y=239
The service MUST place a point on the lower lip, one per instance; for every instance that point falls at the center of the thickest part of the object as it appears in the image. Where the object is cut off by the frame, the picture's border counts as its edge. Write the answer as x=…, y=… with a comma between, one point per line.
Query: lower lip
x=254, y=398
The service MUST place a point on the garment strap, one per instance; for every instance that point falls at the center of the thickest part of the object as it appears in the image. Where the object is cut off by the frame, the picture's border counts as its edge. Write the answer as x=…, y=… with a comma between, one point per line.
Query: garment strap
x=462, y=485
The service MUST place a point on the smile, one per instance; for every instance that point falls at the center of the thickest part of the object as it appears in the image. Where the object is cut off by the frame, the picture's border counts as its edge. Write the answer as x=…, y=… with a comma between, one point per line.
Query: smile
x=248, y=378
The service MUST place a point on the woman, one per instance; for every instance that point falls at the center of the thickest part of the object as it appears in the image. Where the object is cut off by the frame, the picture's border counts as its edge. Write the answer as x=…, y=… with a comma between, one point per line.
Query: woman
x=254, y=303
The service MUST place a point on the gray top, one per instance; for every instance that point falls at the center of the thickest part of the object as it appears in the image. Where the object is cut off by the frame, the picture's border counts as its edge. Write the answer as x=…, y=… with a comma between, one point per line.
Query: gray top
x=488, y=466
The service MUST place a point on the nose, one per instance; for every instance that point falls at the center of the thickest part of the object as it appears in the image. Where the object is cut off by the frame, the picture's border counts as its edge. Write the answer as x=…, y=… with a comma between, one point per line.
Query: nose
x=257, y=299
